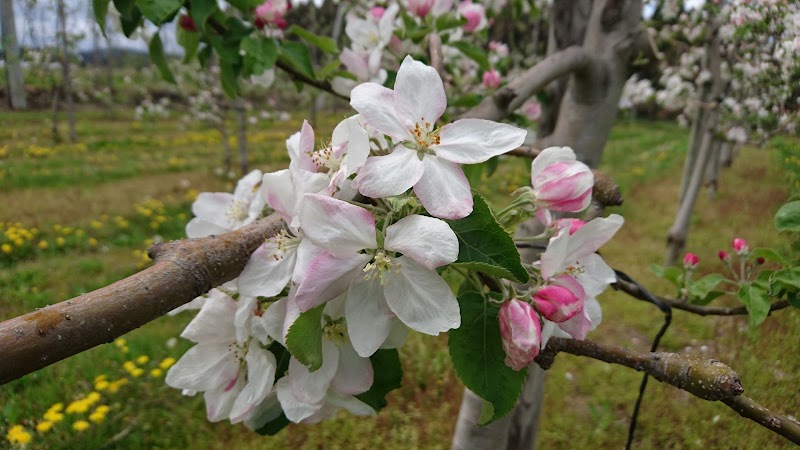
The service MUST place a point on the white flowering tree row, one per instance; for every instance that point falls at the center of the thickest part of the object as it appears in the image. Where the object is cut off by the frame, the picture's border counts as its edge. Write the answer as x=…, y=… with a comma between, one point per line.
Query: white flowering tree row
x=308, y=279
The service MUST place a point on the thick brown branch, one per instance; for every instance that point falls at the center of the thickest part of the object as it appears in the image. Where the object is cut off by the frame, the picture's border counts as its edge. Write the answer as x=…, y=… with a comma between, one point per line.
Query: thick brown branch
x=182, y=271
x=513, y=95
x=708, y=379
x=634, y=291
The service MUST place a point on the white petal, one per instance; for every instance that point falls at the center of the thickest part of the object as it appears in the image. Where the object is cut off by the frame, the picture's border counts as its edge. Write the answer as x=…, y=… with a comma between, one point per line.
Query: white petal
x=211, y=205
x=194, y=304
x=265, y=412
x=204, y=367
x=421, y=298
x=397, y=335
x=553, y=259
x=444, y=189
x=419, y=93
x=274, y=318
x=389, y=175
x=220, y=401
x=337, y=226
x=596, y=275
x=247, y=186
x=354, y=374
x=294, y=408
x=197, y=228
x=470, y=141
x=265, y=275
x=428, y=241
x=245, y=313
x=306, y=252
x=327, y=277
x=214, y=322
x=368, y=315
x=549, y=156
x=310, y=387
x=278, y=190
x=261, y=368
x=351, y=404
x=375, y=104
x=593, y=235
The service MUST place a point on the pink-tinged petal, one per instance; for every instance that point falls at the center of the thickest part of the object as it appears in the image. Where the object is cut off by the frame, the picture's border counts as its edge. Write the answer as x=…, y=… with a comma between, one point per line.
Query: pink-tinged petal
x=421, y=298
x=368, y=315
x=375, y=104
x=306, y=147
x=267, y=271
x=339, y=227
x=215, y=321
x=393, y=174
x=311, y=387
x=354, y=374
x=549, y=156
x=564, y=186
x=578, y=326
x=419, y=94
x=355, y=64
x=204, y=367
x=197, y=228
x=553, y=260
x=444, y=189
x=521, y=333
x=592, y=236
x=327, y=277
x=278, y=190
x=211, y=207
x=219, y=401
x=261, y=367
x=561, y=300
x=295, y=408
x=471, y=141
x=430, y=242
x=306, y=252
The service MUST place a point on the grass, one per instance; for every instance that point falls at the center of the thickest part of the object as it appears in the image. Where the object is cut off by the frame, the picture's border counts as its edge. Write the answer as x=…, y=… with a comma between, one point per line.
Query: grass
x=587, y=403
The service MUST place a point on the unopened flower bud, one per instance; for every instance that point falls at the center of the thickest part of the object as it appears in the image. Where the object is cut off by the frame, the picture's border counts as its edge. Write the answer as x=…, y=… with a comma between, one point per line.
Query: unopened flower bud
x=187, y=23
x=760, y=260
x=491, y=79
x=521, y=333
x=377, y=12
x=724, y=256
x=563, y=185
x=557, y=303
x=572, y=224
x=690, y=260
x=741, y=247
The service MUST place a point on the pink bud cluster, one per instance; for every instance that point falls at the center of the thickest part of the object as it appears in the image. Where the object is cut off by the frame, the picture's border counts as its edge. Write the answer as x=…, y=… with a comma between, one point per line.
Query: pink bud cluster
x=690, y=260
x=521, y=333
x=270, y=13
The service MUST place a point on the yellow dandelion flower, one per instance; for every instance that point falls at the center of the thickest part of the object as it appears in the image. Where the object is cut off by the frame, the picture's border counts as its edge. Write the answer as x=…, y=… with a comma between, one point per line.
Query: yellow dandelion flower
x=97, y=417
x=44, y=426
x=129, y=366
x=142, y=359
x=93, y=397
x=60, y=241
x=101, y=385
x=57, y=407
x=137, y=372
x=80, y=425
x=102, y=409
x=6, y=248
x=43, y=245
x=124, y=349
x=120, y=342
x=18, y=435
x=19, y=242
x=167, y=362
x=92, y=242
x=156, y=373
x=78, y=407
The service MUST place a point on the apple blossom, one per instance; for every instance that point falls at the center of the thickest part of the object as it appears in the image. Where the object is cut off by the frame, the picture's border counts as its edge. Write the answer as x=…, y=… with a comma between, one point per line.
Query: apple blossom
x=723, y=256
x=560, y=182
x=491, y=79
x=475, y=14
x=561, y=300
x=271, y=13
x=690, y=260
x=532, y=109
x=222, y=212
x=740, y=246
x=427, y=158
x=521, y=333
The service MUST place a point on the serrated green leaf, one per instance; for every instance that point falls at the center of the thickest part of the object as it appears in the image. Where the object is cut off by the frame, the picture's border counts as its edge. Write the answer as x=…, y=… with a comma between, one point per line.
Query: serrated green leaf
x=756, y=301
x=477, y=354
x=710, y=297
x=768, y=254
x=202, y=10
x=260, y=54
x=157, y=56
x=130, y=17
x=388, y=377
x=159, y=11
x=304, y=339
x=189, y=40
x=474, y=53
x=296, y=55
x=323, y=43
x=672, y=273
x=788, y=217
x=100, y=8
x=485, y=246
x=699, y=289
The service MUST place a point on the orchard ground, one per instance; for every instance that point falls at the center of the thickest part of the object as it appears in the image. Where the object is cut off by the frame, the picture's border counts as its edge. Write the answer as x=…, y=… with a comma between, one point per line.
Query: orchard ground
x=78, y=217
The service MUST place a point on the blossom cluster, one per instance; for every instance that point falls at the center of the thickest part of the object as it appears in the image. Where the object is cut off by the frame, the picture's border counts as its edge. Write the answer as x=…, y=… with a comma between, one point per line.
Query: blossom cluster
x=358, y=261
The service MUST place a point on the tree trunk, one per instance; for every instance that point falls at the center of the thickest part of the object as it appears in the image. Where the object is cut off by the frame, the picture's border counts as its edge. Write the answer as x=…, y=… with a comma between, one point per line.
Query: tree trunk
x=227, y=156
x=695, y=138
x=712, y=169
x=54, y=115
x=241, y=123
x=66, y=81
x=16, y=85
x=726, y=154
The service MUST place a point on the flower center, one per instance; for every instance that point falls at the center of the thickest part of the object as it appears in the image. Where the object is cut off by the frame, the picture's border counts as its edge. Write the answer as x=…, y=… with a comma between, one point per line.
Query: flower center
x=283, y=243
x=237, y=210
x=425, y=136
x=327, y=156
x=379, y=266
x=336, y=331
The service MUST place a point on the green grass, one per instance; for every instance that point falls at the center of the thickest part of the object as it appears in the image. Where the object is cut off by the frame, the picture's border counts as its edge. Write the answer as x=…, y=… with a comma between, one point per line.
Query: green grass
x=587, y=403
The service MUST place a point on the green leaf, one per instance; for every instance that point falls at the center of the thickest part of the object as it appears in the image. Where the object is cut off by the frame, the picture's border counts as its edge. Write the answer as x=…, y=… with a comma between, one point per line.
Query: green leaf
x=672, y=273
x=473, y=173
x=229, y=76
x=788, y=217
x=466, y=100
x=756, y=301
x=331, y=69
x=323, y=43
x=768, y=254
x=786, y=283
x=189, y=40
x=479, y=360
x=202, y=10
x=474, y=53
x=130, y=17
x=297, y=56
x=159, y=11
x=158, y=58
x=100, y=8
x=447, y=21
x=699, y=289
x=260, y=54
x=485, y=246
x=272, y=427
x=304, y=339
x=388, y=377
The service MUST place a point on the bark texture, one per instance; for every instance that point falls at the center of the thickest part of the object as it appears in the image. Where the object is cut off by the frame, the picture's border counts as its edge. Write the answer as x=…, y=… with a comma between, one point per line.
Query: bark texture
x=66, y=76
x=16, y=85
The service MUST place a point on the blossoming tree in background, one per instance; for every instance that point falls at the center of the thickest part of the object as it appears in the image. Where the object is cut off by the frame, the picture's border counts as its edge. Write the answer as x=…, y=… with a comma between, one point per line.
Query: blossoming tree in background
x=317, y=271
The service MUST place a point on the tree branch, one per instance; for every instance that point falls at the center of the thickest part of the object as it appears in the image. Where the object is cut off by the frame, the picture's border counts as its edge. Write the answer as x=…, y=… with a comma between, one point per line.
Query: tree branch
x=634, y=291
x=514, y=94
x=708, y=379
x=182, y=271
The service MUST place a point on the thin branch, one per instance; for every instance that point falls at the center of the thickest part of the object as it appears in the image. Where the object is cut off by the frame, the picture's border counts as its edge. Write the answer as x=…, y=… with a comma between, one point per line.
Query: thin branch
x=708, y=379
x=182, y=271
x=634, y=291
x=435, y=54
x=514, y=94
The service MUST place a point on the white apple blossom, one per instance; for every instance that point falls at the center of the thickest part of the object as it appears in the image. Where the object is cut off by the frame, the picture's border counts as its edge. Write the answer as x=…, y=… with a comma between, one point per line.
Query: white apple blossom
x=222, y=212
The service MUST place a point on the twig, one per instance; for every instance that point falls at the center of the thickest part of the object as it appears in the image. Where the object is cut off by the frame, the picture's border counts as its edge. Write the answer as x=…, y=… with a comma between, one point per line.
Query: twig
x=750, y=409
x=435, y=54
x=182, y=271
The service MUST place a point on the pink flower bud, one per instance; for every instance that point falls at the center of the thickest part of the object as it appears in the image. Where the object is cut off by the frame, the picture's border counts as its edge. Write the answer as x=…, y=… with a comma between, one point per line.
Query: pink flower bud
x=377, y=12
x=760, y=260
x=187, y=23
x=419, y=8
x=559, y=302
x=724, y=256
x=690, y=260
x=532, y=110
x=475, y=15
x=741, y=247
x=521, y=333
x=271, y=13
x=491, y=79
x=564, y=186
x=572, y=224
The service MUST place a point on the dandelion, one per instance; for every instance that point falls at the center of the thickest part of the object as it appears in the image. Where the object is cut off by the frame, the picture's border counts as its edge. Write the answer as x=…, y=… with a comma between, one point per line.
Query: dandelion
x=97, y=417
x=101, y=385
x=44, y=426
x=137, y=372
x=120, y=342
x=60, y=241
x=92, y=242
x=18, y=435
x=142, y=359
x=166, y=363
x=156, y=373
x=80, y=425
x=43, y=245
x=102, y=409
